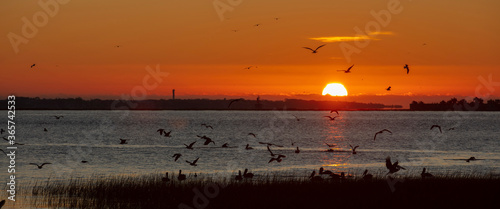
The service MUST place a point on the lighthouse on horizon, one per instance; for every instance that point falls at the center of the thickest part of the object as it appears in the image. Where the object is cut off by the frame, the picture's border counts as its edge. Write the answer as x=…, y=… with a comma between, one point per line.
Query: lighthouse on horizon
x=173, y=94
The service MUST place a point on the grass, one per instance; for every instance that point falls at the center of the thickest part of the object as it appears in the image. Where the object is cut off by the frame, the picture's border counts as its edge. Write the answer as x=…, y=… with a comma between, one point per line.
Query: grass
x=270, y=191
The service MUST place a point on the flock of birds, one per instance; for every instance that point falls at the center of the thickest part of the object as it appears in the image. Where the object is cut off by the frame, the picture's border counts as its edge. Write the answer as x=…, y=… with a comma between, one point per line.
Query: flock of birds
x=274, y=157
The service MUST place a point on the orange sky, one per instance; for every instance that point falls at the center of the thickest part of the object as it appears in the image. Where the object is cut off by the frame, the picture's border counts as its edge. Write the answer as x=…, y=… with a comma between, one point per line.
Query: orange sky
x=448, y=44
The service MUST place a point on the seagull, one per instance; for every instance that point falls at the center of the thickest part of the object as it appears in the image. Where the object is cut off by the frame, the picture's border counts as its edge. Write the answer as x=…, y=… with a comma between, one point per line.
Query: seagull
x=322, y=171
x=193, y=163
x=40, y=166
x=33, y=65
x=208, y=140
x=270, y=144
x=277, y=159
x=190, y=146
x=248, y=147
x=313, y=177
x=177, y=156
x=434, y=126
x=297, y=150
x=331, y=111
x=382, y=131
x=207, y=126
x=471, y=158
x=239, y=177
x=330, y=145
x=247, y=175
x=407, y=69
x=248, y=68
x=315, y=50
x=167, y=134
x=297, y=118
x=234, y=100
x=123, y=141
x=367, y=176
x=353, y=149
x=58, y=117
x=347, y=71
x=161, y=130
x=424, y=174
x=331, y=118
x=393, y=168
x=389, y=88
x=165, y=179
x=181, y=176
x=452, y=128
x=252, y=134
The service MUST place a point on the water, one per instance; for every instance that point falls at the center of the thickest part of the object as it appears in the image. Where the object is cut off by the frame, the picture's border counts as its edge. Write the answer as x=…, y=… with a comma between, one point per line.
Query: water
x=94, y=136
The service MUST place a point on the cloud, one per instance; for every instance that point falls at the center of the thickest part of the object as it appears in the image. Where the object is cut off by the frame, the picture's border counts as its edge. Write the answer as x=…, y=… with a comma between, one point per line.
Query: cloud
x=370, y=36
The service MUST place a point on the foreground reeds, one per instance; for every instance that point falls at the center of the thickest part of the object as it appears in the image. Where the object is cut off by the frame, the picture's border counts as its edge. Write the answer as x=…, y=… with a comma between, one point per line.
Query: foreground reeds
x=271, y=192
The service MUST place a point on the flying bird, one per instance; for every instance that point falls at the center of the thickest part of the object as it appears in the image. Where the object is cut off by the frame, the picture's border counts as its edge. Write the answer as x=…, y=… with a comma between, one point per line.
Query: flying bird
x=177, y=156
x=331, y=118
x=234, y=100
x=207, y=126
x=297, y=118
x=407, y=68
x=437, y=126
x=193, y=163
x=330, y=145
x=382, y=131
x=190, y=146
x=347, y=71
x=248, y=68
x=208, y=140
x=269, y=149
x=331, y=111
x=58, y=117
x=256, y=25
x=252, y=134
x=161, y=130
x=33, y=65
x=248, y=147
x=123, y=141
x=167, y=134
x=270, y=144
x=225, y=145
x=393, y=168
x=353, y=149
x=425, y=175
x=388, y=88
x=314, y=50
x=40, y=166
x=277, y=159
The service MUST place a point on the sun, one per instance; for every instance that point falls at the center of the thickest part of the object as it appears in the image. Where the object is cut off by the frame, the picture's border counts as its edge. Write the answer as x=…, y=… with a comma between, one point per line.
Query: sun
x=335, y=89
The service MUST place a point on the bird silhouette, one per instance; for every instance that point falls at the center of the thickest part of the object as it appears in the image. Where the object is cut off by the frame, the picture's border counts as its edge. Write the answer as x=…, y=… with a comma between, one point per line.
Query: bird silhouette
x=256, y=25
x=181, y=177
x=247, y=175
x=207, y=126
x=425, y=175
x=393, y=168
x=367, y=176
x=248, y=68
x=165, y=179
x=471, y=158
x=193, y=163
x=239, y=177
x=58, y=117
x=331, y=118
x=190, y=146
x=436, y=126
x=382, y=131
x=248, y=147
x=123, y=141
x=330, y=145
x=270, y=144
x=277, y=159
x=347, y=71
x=44, y=129
x=225, y=145
x=177, y=156
x=33, y=65
x=331, y=111
x=252, y=134
x=388, y=88
x=40, y=166
x=297, y=118
x=297, y=150
x=234, y=100
x=314, y=50
x=161, y=130
x=407, y=68
x=167, y=134
x=353, y=149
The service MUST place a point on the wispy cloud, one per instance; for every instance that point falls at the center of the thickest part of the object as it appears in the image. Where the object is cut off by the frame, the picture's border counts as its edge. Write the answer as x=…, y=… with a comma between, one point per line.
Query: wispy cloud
x=370, y=36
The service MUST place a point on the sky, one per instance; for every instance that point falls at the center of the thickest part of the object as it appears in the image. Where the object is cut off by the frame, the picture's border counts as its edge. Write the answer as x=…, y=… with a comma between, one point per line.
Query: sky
x=201, y=48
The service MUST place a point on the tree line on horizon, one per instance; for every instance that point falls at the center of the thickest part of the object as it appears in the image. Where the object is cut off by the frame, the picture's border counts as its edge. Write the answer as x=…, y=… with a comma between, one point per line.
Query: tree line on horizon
x=476, y=104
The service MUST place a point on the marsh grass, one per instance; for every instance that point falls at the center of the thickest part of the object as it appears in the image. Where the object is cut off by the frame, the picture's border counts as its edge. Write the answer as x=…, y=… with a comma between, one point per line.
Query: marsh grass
x=269, y=191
